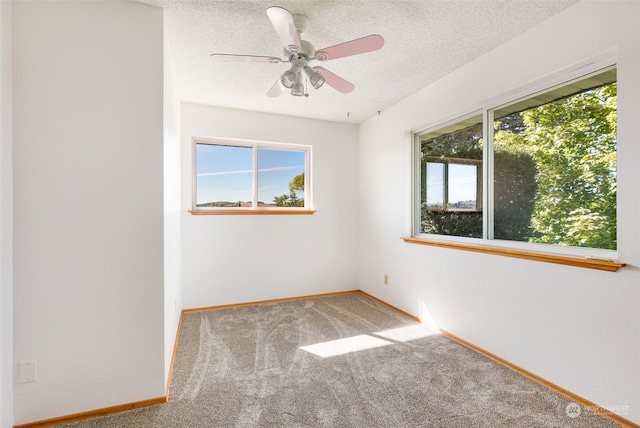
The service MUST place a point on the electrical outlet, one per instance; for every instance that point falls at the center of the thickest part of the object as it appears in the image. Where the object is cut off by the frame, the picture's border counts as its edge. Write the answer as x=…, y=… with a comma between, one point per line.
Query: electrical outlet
x=386, y=280
x=28, y=371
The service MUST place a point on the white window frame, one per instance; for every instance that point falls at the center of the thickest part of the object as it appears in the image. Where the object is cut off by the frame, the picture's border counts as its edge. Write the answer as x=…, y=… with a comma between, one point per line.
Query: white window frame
x=254, y=145
x=578, y=72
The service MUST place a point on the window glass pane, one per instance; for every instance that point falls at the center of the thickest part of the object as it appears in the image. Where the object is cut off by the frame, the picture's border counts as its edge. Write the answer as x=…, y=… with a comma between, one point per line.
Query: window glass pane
x=451, y=183
x=463, y=186
x=281, y=178
x=555, y=166
x=435, y=185
x=223, y=176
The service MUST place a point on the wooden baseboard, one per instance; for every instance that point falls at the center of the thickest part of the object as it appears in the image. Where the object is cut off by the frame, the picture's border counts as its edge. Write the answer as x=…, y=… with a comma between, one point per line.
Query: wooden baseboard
x=382, y=302
x=573, y=397
x=173, y=357
x=93, y=413
x=261, y=302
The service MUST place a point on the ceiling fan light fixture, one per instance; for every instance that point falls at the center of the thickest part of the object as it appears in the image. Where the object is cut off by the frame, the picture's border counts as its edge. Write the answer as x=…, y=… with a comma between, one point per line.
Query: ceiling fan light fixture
x=288, y=78
x=316, y=79
x=298, y=88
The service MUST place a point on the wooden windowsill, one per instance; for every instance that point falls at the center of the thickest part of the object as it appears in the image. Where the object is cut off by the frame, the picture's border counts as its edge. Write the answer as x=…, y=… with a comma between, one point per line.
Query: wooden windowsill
x=606, y=265
x=250, y=211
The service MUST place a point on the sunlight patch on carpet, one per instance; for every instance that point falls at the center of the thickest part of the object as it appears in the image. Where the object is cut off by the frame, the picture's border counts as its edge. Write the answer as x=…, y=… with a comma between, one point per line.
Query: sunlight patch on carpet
x=333, y=348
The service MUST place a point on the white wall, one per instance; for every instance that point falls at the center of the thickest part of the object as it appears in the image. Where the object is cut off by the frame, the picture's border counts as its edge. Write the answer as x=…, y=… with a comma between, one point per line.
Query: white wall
x=88, y=205
x=6, y=222
x=233, y=259
x=577, y=328
x=172, y=201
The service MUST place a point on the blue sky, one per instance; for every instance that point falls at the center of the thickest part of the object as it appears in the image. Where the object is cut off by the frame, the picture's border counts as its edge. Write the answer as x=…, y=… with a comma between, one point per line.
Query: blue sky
x=224, y=173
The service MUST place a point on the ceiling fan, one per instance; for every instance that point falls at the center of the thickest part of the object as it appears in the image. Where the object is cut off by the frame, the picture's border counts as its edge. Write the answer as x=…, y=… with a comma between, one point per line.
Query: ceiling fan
x=300, y=53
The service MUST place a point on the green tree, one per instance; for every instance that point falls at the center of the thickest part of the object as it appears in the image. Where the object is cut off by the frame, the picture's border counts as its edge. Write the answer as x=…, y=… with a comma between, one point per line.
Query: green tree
x=515, y=188
x=292, y=199
x=573, y=143
x=297, y=184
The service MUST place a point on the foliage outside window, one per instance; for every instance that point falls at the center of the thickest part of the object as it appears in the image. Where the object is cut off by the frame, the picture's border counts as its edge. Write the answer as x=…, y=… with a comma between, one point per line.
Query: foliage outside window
x=553, y=170
x=232, y=175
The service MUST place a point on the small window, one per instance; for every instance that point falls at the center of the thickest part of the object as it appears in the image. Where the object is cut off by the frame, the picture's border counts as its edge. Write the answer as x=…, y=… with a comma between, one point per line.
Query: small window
x=235, y=175
x=547, y=170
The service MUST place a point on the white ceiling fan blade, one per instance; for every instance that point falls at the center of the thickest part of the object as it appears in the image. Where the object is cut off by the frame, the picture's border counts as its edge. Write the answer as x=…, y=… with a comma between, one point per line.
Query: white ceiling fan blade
x=282, y=21
x=335, y=81
x=276, y=90
x=353, y=47
x=245, y=58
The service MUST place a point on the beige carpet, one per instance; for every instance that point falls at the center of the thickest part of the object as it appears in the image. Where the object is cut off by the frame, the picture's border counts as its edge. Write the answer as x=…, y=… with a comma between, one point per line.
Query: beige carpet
x=339, y=361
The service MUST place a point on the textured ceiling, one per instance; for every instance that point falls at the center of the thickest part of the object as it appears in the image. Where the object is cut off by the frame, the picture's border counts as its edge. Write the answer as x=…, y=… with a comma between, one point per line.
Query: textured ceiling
x=424, y=40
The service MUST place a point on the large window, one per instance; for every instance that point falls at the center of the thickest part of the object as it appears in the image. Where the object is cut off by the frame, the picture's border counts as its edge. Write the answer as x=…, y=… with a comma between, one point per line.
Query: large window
x=537, y=170
x=233, y=175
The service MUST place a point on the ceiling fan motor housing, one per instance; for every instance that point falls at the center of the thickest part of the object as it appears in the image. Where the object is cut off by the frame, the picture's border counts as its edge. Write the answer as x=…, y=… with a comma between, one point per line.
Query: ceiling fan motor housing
x=307, y=52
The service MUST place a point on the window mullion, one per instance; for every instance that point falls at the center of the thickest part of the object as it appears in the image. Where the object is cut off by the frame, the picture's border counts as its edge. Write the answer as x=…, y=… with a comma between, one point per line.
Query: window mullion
x=420, y=191
x=445, y=180
x=254, y=186
x=307, y=179
x=488, y=182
